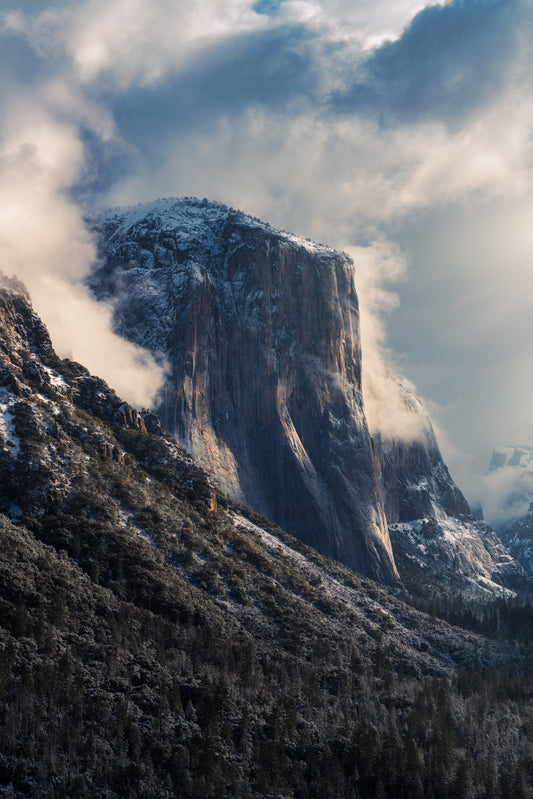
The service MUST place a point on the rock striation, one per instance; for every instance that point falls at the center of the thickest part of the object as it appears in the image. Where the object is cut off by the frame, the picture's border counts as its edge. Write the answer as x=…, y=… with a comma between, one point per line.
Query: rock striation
x=261, y=333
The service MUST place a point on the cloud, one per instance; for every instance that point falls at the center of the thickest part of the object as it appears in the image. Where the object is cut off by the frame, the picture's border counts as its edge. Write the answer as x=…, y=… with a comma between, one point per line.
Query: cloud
x=370, y=22
x=504, y=494
x=43, y=239
x=465, y=321
x=450, y=61
x=337, y=182
x=391, y=410
x=272, y=70
x=397, y=127
x=200, y=91
x=132, y=41
x=255, y=119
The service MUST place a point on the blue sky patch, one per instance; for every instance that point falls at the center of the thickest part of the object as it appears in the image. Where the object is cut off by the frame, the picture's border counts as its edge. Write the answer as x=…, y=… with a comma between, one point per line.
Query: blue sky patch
x=268, y=7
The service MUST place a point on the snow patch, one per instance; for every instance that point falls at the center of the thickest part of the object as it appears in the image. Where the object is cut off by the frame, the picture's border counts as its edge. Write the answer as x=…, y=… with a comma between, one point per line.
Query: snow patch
x=56, y=380
x=54, y=407
x=193, y=223
x=126, y=522
x=7, y=422
x=471, y=549
x=332, y=586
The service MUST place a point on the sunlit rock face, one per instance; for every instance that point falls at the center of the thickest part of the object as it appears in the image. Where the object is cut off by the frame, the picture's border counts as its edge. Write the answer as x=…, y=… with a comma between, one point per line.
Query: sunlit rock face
x=261, y=333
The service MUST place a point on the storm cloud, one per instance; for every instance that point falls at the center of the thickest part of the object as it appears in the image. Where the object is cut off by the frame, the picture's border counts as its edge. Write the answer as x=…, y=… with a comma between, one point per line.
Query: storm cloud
x=450, y=61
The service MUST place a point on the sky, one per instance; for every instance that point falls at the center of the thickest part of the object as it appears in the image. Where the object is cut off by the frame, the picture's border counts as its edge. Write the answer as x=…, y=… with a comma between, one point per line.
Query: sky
x=397, y=130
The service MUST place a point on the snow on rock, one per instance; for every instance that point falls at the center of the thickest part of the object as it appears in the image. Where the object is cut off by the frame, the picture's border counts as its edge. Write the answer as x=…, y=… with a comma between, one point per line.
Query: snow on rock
x=369, y=607
x=55, y=379
x=434, y=535
x=464, y=554
x=520, y=457
x=333, y=587
x=519, y=540
x=7, y=423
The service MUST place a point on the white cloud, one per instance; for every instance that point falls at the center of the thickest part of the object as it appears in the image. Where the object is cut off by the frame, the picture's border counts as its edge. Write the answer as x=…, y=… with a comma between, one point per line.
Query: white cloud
x=134, y=41
x=369, y=22
x=142, y=41
x=389, y=405
x=43, y=240
x=320, y=146
x=328, y=177
x=504, y=494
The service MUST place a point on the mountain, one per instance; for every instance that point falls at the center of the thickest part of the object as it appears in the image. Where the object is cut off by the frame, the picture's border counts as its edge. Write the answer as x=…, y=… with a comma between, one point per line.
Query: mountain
x=157, y=639
x=511, y=468
x=261, y=333
x=512, y=456
x=436, y=539
x=518, y=538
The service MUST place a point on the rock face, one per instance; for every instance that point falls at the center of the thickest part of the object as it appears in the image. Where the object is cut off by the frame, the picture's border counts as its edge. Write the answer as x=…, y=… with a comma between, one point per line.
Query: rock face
x=261, y=333
x=519, y=540
x=416, y=481
x=154, y=642
x=435, y=537
x=521, y=457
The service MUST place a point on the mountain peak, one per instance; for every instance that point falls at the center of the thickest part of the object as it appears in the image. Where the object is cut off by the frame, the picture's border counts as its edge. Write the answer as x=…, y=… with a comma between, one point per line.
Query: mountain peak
x=192, y=221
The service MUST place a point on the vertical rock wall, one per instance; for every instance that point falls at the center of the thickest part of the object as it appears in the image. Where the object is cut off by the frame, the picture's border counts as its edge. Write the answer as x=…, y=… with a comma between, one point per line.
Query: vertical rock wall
x=261, y=332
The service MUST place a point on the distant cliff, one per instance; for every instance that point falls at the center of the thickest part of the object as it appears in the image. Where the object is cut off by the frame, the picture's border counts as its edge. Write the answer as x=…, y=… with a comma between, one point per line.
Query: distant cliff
x=261, y=331
x=436, y=539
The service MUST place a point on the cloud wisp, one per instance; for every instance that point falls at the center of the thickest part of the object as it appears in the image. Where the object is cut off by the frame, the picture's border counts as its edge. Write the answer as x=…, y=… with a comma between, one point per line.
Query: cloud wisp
x=43, y=237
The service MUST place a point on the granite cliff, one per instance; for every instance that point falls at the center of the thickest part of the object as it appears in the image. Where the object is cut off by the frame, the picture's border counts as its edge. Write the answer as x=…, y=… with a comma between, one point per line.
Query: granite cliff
x=518, y=538
x=261, y=331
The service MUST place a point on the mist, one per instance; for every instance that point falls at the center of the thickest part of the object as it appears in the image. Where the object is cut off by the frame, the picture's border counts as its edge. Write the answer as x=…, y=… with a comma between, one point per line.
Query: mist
x=45, y=243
